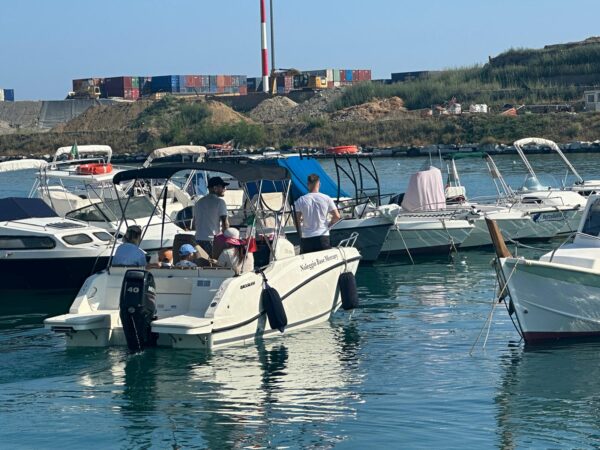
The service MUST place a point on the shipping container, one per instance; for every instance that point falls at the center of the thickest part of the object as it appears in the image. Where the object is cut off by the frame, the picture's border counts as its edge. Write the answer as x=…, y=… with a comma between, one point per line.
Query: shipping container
x=336, y=75
x=348, y=75
x=356, y=76
x=243, y=90
x=2, y=95
x=342, y=76
x=165, y=83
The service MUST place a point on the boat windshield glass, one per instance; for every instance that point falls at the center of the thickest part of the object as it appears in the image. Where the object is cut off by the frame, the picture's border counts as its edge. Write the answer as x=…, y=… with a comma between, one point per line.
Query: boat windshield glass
x=110, y=210
x=591, y=224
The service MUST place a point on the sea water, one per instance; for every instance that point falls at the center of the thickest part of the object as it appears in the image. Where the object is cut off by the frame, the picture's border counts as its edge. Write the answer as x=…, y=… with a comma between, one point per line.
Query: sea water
x=417, y=365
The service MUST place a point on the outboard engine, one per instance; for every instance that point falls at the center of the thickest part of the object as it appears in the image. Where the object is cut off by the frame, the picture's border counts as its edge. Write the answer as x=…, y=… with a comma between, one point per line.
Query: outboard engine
x=137, y=309
x=348, y=290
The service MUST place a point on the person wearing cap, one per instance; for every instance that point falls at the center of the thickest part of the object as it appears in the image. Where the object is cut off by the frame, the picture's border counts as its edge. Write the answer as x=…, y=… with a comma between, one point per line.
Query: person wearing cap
x=187, y=252
x=129, y=253
x=312, y=210
x=235, y=256
x=210, y=214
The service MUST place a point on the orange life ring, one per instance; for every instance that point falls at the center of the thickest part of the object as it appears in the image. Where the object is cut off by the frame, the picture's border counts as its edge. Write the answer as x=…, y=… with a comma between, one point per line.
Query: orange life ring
x=94, y=169
x=343, y=150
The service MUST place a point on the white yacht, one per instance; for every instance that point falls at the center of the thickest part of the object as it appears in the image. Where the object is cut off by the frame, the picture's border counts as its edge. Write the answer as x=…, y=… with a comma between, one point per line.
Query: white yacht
x=209, y=307
x=40, y=250
x=557, y=296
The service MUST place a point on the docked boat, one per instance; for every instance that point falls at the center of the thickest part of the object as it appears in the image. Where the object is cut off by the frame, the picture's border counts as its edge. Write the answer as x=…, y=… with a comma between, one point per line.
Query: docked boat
x=81, y=188
x=518, y=216
x=40, y=250
x=557, y=296
x=423, y=224
x=579, y=185
x=209, y=307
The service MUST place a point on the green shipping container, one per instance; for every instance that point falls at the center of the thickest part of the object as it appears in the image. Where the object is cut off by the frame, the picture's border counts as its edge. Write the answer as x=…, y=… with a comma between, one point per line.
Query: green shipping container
x=336, y=75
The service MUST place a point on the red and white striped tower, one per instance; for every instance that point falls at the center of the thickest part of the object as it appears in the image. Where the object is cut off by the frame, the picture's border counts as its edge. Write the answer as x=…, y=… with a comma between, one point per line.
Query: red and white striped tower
x=263, y=41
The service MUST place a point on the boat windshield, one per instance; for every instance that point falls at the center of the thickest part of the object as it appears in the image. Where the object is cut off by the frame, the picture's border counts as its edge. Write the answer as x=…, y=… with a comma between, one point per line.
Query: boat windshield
x=591, y=224
x=110, y=210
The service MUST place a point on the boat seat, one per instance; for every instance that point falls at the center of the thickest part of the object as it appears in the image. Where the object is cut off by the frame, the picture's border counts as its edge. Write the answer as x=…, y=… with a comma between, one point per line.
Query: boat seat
x=183, y=324
x=80, y=322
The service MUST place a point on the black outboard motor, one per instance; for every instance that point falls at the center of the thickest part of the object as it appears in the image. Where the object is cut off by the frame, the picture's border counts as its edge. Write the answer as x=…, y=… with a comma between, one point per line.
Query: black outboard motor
x=348, y=290
x=137, y=309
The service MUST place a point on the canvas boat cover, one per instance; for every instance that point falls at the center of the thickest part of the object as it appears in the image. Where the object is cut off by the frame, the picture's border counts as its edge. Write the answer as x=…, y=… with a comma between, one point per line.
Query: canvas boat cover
x=22, y=164
x=85, y=150
x=17, y=208
x=301, y=168
x=175, y=150
x=425, y=191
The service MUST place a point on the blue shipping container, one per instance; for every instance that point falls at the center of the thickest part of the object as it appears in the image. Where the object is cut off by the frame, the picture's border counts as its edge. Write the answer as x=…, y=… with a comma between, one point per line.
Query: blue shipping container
x=9, y=95
x=213, y=81
x=165, y=83
x=348, y=75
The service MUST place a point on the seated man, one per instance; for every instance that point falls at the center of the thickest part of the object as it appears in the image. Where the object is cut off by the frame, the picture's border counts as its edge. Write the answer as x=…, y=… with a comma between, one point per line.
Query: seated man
x=187, y=252
x=129, y=253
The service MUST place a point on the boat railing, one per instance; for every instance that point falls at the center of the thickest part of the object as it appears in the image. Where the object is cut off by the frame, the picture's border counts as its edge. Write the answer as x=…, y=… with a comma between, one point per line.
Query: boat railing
x=349, y=241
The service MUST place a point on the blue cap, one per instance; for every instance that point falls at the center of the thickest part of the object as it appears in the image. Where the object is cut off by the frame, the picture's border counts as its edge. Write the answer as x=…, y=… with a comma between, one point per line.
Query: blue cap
x=186, y=249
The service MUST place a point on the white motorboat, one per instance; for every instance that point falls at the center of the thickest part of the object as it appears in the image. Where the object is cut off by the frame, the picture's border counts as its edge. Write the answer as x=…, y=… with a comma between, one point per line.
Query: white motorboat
x=211, y=307
x=557, y=296
x=579, y=185
x=40, y=250
x=517, y=219
x=82, y=189
x=423, y=224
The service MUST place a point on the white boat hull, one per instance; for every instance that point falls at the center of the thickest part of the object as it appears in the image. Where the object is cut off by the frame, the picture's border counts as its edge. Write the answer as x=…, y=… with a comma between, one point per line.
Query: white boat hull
x=553, y=301
x=209, y=308
x=426, y=236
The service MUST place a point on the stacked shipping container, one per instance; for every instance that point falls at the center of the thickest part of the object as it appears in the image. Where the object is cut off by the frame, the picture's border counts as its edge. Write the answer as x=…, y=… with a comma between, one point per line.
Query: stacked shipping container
x=131, y=88
x=7, y=95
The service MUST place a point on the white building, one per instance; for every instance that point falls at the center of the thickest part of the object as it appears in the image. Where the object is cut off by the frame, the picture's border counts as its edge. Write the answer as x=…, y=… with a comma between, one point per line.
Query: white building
x=592, y=100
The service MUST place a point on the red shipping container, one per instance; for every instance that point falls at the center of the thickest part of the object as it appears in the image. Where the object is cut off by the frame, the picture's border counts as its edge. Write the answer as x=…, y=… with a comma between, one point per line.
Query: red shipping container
x=220, y=81
x=329, y=84
x=356, y=76
x=135, y=93
x=127, y=84
x=227, y=80
x=243, y=90
x=367, y=76
x=342, y=75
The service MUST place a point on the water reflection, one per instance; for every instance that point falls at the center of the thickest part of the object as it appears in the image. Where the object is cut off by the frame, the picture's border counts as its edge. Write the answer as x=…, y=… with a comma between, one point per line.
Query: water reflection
x=548, y=397
x=281, y=392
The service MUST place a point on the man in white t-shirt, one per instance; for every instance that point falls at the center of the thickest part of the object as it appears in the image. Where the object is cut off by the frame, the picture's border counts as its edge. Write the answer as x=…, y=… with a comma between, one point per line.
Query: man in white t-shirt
x=312, y=210
x=210, y=214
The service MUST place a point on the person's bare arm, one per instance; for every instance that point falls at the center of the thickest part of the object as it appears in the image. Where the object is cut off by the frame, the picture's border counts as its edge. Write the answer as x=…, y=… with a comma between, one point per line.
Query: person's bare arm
x=224, y=223
x=335, y=217
x=299, y=223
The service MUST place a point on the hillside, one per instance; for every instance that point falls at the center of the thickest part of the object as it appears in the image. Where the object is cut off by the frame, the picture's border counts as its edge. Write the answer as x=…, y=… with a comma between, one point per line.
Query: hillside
x=369, y=114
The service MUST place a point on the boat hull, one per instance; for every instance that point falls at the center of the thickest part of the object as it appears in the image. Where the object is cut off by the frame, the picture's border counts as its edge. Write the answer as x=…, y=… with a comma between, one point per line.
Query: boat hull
x=372, y=233
x=211, y=308
x=553, y=301
x=426, y=237
x=48, y=273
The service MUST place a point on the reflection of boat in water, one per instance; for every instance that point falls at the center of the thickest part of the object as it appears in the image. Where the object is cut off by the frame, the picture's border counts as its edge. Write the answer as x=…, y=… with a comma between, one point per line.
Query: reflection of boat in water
x=241, y=396
x=546, y=398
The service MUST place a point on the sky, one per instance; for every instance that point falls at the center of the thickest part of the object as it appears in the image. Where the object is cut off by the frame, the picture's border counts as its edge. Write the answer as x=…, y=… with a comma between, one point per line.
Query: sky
x=44, y=44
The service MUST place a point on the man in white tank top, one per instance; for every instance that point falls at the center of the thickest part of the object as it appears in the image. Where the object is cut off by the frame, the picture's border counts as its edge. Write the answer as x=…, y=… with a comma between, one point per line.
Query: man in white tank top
x=312, y=210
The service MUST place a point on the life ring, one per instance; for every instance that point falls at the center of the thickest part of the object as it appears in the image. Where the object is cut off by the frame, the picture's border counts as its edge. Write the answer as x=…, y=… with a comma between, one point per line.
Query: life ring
x=94, y=169
x=343, y=150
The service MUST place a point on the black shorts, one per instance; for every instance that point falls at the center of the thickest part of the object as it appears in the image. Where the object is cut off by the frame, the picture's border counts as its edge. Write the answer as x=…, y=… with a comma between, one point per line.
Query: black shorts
x=314, y=244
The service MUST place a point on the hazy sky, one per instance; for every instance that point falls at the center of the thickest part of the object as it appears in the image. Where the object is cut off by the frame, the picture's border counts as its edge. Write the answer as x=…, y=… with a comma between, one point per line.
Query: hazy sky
x=46, y=43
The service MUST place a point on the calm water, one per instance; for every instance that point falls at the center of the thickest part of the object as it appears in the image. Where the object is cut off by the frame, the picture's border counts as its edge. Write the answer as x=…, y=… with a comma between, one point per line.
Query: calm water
x=396, y=372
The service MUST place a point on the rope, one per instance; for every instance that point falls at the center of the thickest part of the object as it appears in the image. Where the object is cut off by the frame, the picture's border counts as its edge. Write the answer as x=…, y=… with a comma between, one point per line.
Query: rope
x=405, y=246
x=452, y=245
x=488, y=321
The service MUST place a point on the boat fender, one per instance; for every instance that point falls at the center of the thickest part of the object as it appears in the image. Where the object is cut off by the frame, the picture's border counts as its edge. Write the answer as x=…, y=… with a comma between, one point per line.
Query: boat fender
x=137, y=309
x=273, y=306
x=348, y=290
